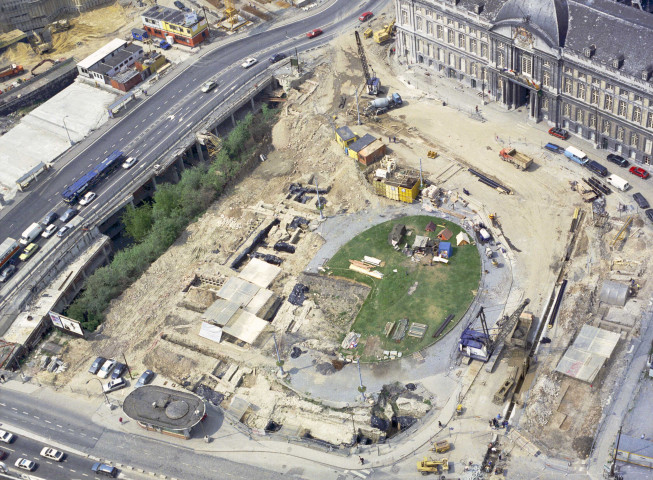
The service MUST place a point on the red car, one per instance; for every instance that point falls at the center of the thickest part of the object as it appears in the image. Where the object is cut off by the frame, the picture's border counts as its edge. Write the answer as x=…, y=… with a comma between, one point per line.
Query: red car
x=314, y=33
x=639, y=171
x=559, y=132
x=365, y=16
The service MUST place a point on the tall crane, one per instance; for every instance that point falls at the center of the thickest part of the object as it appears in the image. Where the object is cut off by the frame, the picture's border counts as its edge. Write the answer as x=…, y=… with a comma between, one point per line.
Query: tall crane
x=373, y=83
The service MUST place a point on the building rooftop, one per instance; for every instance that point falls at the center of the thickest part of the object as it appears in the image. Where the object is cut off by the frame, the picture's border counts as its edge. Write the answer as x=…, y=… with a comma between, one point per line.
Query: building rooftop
x=171, y=15
x=362, y=142
x=99, y=54
x=164, y=407
x=345, y=133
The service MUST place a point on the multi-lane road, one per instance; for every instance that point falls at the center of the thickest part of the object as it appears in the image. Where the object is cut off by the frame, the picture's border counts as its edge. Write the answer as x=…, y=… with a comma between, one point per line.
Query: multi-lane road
x=151, y=128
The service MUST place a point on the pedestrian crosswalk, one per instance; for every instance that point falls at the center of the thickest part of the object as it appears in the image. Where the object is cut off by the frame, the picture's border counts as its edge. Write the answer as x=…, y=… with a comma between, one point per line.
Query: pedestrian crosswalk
x=360, y=473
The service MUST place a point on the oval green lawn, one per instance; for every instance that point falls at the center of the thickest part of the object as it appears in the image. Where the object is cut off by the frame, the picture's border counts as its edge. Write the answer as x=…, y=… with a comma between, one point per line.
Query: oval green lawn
x=442, y=289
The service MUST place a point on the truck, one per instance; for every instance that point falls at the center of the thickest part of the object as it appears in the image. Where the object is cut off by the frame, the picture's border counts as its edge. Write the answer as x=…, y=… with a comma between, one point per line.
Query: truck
x=519, y=160
x=381, y=105
x=9, y=249
x=161, y=44
x=11, y=70
x=31, y=233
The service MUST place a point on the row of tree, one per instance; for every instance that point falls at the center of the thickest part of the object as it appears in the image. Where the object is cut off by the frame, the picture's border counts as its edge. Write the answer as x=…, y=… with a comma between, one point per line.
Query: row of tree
x=155, y=226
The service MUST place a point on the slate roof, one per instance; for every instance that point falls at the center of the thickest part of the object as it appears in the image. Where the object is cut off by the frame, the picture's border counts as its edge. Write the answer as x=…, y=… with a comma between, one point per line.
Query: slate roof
x=615, y=29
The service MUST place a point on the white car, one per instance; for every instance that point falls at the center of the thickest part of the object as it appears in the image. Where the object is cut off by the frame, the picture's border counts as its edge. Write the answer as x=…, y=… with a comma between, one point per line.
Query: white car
x=106, y=368
x=113, y=385
x=88, y=198
x=48, y=232
x=52, y=454
x=25, y=464
x=6, y=437
x=129, y=163
x=208, y=86
x=249, y=62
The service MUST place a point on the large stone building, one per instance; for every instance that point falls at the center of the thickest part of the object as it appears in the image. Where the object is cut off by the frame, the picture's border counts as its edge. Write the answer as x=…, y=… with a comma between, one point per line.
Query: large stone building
x=579, y=64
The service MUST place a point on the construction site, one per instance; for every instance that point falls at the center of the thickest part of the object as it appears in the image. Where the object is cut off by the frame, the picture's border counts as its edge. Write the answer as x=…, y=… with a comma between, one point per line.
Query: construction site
x=244, y=310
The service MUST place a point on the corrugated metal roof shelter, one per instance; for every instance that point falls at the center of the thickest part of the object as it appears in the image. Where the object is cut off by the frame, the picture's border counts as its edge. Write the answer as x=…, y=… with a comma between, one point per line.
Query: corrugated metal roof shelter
x=239, y=291
x=592, y=347
x=259, y=272
x=614, y=293
x=220, y=312
x=421, y=242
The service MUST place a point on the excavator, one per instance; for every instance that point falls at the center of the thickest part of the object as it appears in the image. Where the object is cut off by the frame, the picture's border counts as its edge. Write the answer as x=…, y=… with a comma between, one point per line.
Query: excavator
x=384, y=34
x=429, y=465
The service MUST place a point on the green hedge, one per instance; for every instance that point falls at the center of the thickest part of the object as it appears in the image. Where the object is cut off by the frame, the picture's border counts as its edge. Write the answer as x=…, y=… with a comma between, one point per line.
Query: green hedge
x=155, y=227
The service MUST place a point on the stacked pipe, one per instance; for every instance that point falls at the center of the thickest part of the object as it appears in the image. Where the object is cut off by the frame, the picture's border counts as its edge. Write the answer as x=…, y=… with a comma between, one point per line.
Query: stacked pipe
x=489, y=182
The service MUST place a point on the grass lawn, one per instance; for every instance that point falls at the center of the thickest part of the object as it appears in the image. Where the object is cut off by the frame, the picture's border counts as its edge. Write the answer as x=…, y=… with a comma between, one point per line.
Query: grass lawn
x=442, y=289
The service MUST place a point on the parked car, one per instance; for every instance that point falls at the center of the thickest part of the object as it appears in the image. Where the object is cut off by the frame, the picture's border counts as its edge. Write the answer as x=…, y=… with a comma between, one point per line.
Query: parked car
x=3, y=454
x=249, y=62
x=114, y=385
x=63, y=230
x=49, y=218
x=49, y=231
x=69, y=215
x=365, y=16
x=208, y=86
x=104, y=469
x=554, y=148
x=7, y=273
x=6, y=437
x=559, y=132
x=106, y=368
x=118, y=370
x=277, y=57
x=95, y=366
x=640, y=200
x=88, y=198
x=26, y=464
x=129, y=163
x=28, y=252
x=314, y=33
x=145, y=378
x=618, y=159
x=649, y=214
x=52, y=454
x=179, y=5
x=639, y=172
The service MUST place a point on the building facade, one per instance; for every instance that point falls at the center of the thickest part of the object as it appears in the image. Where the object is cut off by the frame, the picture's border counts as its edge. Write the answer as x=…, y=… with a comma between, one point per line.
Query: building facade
x=115, y=57
x=186, y=28
x=584, y=66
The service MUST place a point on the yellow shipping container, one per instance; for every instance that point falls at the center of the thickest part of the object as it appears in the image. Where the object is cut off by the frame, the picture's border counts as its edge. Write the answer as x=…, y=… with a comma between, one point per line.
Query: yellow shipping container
x=392, y=192
x=379, y=186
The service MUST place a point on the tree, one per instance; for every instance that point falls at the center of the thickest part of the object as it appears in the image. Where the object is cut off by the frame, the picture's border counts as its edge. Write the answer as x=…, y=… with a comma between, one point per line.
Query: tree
x=138, y=221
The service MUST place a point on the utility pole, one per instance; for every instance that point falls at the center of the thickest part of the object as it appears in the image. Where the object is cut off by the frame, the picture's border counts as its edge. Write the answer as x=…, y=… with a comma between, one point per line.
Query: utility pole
x=319, y=202
x=421, y=180
x=207, y=21
x=127, y=365
x=614, y=457
x=281, y=373
x=362, y=387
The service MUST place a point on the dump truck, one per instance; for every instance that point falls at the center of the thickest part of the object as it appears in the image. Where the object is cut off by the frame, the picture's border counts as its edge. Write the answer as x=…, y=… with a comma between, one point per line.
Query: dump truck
x=11, y=70
x=519, y=160
x=429, y=465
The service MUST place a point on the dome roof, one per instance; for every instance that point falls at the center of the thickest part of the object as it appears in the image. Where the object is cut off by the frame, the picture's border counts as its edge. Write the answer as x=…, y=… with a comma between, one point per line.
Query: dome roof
x=549, y=18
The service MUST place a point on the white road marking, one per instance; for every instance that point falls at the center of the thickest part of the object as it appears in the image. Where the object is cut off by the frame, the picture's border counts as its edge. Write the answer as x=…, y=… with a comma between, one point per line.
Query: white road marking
x=59, y=426
x=37, y=417
x=47, y=421
x=25, y=413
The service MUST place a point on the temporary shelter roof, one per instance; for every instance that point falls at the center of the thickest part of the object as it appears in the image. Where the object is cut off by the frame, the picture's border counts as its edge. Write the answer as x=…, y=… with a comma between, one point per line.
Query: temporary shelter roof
x=462, y=239
x=614, y=293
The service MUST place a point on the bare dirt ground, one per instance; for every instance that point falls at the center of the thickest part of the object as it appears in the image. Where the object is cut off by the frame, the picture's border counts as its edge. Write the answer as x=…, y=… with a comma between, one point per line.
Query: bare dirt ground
x=535, y=221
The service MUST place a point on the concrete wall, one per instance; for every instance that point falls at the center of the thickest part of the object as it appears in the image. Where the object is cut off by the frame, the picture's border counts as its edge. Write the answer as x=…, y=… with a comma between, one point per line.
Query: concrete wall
x=30, y=92
x=34, y=14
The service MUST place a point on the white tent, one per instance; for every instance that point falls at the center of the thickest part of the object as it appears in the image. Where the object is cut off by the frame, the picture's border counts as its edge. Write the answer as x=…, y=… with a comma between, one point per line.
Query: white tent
x=462, y=239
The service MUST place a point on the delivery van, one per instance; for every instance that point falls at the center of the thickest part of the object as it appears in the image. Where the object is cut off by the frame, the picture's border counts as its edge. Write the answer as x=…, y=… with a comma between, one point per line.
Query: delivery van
x=31, y=234
x=618, y=182
x=597, y=168
x=578, y=156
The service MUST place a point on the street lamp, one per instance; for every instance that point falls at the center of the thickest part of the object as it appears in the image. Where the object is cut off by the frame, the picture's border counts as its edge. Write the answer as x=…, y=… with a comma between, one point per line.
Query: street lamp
x=67, y=132
x=106, y=399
